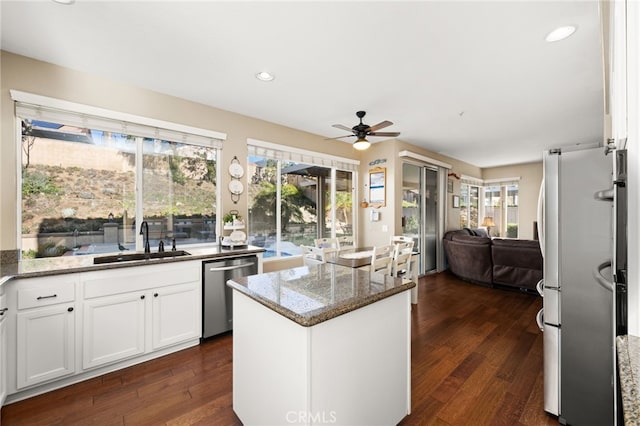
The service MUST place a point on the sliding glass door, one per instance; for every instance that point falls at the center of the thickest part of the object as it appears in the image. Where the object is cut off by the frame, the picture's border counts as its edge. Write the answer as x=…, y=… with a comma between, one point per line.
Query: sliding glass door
x=420, y=212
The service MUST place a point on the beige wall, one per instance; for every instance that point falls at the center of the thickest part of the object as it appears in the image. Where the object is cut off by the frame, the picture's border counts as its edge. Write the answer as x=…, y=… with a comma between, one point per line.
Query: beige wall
x=378, y=233
x=29, y=75
x=530, y=175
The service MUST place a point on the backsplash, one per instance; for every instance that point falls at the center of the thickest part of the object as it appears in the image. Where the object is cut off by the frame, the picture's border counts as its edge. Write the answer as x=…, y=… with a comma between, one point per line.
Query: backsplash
x=9, y=256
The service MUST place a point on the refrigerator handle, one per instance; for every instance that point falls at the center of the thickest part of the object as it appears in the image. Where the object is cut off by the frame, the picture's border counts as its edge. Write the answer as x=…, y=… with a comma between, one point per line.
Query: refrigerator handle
x=604, y=195
x=540, y=319
x=540, y=217
x=597, y=275
x=540, y=287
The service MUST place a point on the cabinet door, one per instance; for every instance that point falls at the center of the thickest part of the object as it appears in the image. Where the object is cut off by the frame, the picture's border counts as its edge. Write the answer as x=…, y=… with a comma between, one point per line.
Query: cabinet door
x=3, y=361
x=46, y=344
x=3, y=347
x=113, y=328
x=176, y=314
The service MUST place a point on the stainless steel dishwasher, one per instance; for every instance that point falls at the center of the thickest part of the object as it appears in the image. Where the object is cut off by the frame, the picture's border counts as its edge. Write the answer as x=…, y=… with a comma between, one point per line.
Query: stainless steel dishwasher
x=217, y=313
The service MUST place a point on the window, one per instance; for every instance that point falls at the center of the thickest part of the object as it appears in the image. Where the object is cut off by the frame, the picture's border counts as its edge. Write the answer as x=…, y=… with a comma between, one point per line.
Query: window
x=469, y=205
x=179, y=191
x=496, y=198
x=79, y=179
x=501, y=203
x=293, y=199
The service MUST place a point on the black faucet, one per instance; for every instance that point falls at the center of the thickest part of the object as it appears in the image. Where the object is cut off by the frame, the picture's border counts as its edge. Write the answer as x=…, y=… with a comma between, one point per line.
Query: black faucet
x=144, y=231
x=160, y=246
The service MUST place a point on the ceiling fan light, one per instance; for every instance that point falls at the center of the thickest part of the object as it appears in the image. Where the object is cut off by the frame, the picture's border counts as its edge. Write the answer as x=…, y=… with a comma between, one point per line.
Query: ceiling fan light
x=361, y=144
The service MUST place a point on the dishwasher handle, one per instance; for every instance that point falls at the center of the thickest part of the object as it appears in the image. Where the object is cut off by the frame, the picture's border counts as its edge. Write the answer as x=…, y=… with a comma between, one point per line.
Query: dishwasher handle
x=232, y=267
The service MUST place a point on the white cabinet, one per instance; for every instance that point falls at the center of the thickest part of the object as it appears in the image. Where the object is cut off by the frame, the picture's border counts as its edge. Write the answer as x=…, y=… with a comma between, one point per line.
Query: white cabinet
x=175, y=318
x=133, y=311
x=113, y=328
x=3, y=346
x=69, y=327
x=46, y=343
x=45, y=329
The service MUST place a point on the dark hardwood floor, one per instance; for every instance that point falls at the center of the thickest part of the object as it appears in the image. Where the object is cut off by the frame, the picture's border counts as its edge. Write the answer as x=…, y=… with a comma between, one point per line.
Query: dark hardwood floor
x=476, y=360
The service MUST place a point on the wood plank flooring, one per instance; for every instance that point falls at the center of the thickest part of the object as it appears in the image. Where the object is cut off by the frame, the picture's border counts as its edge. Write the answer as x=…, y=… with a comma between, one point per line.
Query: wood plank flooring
x=476, y=360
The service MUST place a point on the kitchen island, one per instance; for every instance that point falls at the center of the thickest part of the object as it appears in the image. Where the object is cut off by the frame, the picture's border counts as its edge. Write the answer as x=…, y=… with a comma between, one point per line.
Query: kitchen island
x=321, y=344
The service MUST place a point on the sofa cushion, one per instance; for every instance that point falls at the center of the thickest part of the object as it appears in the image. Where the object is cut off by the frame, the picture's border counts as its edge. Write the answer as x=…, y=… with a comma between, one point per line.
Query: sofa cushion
x=469, y=239
x=516, y=263
x=520, y=253
x=480, y=232
x=469, y=257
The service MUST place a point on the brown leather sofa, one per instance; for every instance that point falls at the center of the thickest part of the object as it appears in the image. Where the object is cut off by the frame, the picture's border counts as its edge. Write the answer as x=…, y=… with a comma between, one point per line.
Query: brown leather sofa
x=475, y=257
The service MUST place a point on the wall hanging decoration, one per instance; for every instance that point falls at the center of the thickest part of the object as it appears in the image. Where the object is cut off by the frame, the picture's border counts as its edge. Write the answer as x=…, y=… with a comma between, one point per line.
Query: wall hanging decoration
x=377, y=189
x=235, y=185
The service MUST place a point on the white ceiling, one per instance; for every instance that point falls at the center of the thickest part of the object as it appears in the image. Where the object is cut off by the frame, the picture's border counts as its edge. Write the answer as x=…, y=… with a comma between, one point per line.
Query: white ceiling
x=471, y=80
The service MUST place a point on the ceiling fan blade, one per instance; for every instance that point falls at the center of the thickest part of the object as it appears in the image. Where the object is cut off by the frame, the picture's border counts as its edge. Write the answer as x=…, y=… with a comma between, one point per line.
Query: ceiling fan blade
x=340, y=126
x=339, y=137
x=380, y=125
x=389, y=134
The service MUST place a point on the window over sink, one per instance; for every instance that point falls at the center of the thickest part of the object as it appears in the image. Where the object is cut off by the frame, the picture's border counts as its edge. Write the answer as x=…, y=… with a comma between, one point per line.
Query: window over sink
x=87, y=182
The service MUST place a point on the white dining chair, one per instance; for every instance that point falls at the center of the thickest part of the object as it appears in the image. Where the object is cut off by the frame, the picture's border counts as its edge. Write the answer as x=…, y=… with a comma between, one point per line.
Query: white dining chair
x=400, y=239
x=382, y=259
x=312, y=255
x=345, y=242
x=402, y=259
x=327, y=244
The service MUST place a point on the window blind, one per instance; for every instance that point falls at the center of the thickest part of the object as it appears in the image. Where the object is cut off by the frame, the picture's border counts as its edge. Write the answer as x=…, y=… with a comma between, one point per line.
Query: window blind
x=280, y=152
x=469, y=180
x=88, y=117
x=502, y=181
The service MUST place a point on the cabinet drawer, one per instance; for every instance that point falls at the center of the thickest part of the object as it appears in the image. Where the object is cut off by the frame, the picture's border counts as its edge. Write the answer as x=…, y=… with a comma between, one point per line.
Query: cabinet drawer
x=45, y=295
x=139, y=278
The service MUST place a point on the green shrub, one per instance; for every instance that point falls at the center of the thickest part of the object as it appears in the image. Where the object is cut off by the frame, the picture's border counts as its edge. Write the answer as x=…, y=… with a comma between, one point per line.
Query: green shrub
x=34, y=183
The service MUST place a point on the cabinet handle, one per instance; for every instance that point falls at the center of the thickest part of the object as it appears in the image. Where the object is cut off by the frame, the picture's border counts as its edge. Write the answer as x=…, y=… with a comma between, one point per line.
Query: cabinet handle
x=46, y=297
x=142, y=297
x=3, y=310
x=155, y=294
x=70, y=309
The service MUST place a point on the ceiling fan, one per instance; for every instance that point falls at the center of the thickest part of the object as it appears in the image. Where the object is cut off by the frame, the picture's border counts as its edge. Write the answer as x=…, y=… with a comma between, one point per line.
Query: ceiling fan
x=361, y=131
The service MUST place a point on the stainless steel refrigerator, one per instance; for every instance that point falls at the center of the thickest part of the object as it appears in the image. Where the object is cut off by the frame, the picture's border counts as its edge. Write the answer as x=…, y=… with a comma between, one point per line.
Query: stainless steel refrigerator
x=583, y=239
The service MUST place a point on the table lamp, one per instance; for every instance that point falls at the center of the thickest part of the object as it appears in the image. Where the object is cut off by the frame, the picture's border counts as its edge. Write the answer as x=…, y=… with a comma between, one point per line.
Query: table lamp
x=488, y=222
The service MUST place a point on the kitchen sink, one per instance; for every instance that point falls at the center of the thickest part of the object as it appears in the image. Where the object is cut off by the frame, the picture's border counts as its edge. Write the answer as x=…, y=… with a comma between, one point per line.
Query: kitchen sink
x=128, y=257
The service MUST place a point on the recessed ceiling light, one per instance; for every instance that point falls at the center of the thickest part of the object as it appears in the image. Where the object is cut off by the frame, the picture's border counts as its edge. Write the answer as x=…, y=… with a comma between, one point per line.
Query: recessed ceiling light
x=560, y=33
x=265, y=76
x=67, y=2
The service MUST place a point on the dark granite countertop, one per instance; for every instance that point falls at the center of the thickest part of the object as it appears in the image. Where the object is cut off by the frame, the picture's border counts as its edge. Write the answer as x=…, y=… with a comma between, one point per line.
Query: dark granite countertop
x=628, y=348
x=309, y=295
x=11, y=267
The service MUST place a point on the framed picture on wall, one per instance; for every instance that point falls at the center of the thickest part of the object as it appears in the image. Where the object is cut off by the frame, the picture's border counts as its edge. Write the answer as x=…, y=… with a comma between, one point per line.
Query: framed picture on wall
x=377, y=181
x=456, y=202
x=449, y=186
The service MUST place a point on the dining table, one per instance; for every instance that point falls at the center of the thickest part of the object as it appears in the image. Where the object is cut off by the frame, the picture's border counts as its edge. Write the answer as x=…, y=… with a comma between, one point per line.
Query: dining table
x=360, y=257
